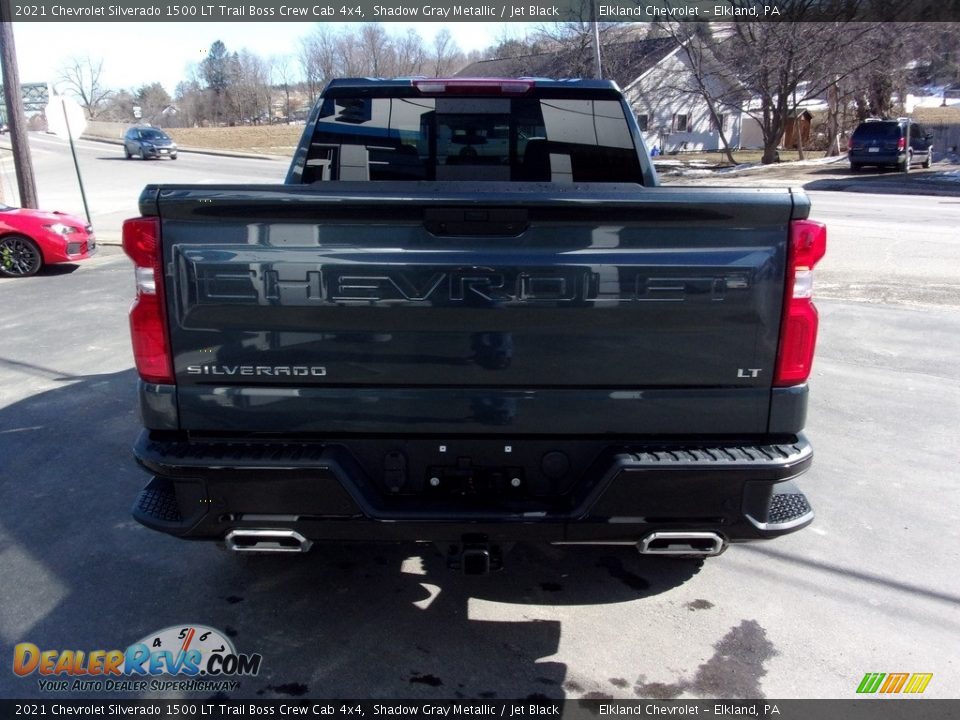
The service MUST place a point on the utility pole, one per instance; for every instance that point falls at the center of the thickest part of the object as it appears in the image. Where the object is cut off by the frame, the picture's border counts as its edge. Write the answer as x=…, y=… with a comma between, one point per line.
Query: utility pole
x=13, y=96
x=597, y=69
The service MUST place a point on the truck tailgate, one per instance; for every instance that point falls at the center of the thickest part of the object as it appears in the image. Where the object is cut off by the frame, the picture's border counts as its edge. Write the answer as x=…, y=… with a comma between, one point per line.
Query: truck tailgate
x=474, y=308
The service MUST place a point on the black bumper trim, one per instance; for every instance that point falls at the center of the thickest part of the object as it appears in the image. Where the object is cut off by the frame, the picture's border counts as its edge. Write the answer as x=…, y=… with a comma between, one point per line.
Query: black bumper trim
x=630, y=489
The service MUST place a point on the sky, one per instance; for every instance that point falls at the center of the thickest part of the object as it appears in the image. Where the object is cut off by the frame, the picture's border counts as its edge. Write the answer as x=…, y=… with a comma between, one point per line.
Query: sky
x=136, y=54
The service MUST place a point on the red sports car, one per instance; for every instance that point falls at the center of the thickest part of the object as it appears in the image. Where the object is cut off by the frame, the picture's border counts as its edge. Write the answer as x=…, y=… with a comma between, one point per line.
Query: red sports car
x=30, y=239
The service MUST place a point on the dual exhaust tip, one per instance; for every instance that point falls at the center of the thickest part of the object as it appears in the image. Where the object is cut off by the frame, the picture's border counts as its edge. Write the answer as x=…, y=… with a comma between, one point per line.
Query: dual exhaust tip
x=690, y=544
x=274, y=541
x=698, y=544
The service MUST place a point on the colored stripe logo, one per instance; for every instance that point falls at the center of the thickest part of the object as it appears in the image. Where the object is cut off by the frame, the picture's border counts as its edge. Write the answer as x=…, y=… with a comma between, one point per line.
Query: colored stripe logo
x=894, y=683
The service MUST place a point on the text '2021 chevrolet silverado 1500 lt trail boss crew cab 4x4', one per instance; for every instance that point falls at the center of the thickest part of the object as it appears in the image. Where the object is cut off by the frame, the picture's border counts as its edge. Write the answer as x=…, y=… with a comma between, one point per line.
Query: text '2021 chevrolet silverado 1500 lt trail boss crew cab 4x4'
x=470, y=316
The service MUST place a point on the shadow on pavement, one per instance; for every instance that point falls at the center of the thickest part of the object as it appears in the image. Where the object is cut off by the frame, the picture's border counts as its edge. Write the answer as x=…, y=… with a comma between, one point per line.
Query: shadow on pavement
x=344, y=621
x=916, y=182
x=58, y=269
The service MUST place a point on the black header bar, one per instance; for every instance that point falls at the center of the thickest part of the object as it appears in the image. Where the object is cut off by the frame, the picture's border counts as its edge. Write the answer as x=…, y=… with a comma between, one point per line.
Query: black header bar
x=914, y=708
x=479, y=10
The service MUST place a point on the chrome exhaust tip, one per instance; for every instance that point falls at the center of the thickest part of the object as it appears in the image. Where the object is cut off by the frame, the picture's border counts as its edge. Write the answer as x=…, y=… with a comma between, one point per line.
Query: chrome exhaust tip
x=282, y=541
x=700, y=544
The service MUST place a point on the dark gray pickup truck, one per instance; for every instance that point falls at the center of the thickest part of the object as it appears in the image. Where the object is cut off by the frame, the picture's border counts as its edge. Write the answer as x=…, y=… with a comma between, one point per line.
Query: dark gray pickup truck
x=470, y=316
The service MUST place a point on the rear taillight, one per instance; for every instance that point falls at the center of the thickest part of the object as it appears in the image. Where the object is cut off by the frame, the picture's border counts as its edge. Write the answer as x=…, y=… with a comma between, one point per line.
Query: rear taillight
x=798, y=331
x=901, y=144
x=148, y=322
x=850, y=143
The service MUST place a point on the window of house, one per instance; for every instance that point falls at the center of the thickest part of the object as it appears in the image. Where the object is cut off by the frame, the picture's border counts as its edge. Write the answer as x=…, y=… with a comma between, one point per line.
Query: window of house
x=643, y=120
x=681, y=122
x=719, y=123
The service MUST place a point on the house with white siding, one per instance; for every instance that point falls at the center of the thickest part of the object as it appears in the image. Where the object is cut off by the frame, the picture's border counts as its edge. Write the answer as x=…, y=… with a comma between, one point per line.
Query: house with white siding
x=674, y=117
x=658, y=82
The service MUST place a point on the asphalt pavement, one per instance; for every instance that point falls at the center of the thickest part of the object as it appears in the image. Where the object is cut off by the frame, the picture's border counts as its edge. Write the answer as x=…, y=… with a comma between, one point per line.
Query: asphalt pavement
x=871, y=586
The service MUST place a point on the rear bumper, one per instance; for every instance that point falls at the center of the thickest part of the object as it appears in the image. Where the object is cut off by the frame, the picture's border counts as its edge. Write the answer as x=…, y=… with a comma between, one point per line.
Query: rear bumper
x=884, y=157
x=160, y=153
x=605, y=493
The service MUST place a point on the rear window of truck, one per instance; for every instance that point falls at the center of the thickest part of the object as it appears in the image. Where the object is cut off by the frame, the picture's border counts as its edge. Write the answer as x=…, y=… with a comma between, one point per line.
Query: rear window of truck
x=472, y=138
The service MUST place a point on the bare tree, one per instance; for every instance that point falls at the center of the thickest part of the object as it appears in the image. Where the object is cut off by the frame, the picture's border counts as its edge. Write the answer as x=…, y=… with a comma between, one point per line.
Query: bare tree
x=153, y=100
x=189, y=97
x=309, y=59
x=411, y=53
x=248, y=87
x=704, y=79
x=118, y=107
x=782, y=64
x=377, y=50
x=81, y=76
x=281, y=76
x=446, y=54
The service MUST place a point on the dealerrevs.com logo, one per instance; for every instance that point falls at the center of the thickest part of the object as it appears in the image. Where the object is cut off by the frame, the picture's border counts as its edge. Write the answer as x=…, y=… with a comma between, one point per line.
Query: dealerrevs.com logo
x=201, y=658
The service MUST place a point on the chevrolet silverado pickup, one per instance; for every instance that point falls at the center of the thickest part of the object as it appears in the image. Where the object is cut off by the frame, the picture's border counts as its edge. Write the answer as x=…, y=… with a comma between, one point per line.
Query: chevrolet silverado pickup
x=470, y=316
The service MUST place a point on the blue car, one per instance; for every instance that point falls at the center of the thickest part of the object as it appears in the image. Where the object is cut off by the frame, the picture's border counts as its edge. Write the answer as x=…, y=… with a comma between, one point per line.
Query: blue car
x=148, y=142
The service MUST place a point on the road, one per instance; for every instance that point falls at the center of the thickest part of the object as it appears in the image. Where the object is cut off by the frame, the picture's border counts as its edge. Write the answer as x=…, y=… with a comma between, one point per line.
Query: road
x=113, y=183
x=890, y=248
x=870, y=587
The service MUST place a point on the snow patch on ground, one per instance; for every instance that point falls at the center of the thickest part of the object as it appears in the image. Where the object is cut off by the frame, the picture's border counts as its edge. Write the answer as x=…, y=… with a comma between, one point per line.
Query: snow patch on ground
x=932, y=98
x=699, y=169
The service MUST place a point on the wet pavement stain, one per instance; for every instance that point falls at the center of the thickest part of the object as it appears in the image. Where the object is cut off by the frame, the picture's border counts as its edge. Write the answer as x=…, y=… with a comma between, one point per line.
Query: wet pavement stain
x=234, y=599
x=291, y=689
x=658, y=691
x=619, y=682
x=734, y=671
x=699, y=605
x=431, y=680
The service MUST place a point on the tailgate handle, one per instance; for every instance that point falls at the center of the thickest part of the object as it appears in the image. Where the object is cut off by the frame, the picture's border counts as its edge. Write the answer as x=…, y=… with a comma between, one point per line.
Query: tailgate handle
x=505, y=222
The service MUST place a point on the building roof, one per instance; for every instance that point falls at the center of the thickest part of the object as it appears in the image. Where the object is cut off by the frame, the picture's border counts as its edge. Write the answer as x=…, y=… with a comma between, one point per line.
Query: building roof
x=623, y=62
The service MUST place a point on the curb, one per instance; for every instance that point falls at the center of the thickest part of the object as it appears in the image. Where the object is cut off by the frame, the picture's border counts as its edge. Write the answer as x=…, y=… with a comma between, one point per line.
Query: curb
x=935, y=189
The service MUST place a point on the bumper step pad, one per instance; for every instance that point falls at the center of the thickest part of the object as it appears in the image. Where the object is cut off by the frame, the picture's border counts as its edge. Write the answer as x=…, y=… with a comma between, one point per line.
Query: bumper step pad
x=159, y=501
x=788, y=507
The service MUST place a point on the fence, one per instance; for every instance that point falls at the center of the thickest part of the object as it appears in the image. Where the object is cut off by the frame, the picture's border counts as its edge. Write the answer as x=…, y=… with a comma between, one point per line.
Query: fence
x=946, y=138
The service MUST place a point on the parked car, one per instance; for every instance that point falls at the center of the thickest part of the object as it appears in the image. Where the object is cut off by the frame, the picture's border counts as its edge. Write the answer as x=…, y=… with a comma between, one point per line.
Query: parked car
x=894, y=143
x=30, y=239
x=148, y=142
